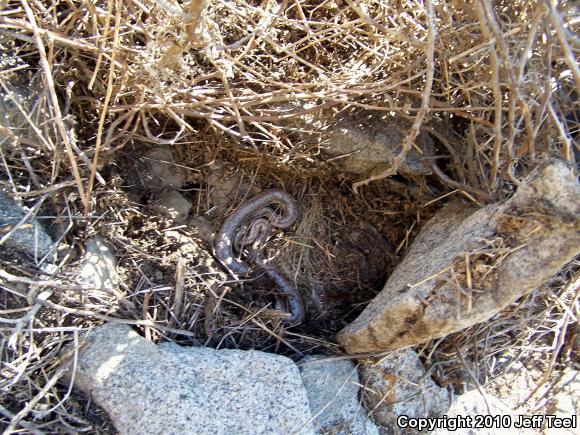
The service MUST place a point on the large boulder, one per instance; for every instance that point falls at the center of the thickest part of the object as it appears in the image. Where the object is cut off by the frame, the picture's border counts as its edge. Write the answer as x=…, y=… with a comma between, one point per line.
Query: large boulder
x=149, y=389
x=466, y=265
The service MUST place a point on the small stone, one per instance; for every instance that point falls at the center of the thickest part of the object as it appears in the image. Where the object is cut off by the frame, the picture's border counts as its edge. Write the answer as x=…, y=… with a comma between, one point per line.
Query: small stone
x=98, y=265
x=30, y=238
x=163, y=172
x=225, y=187
x=172, y=204
x=168, y=389
x=333, y=394
x=398, y=386
x=203, y=228
x=11, y=116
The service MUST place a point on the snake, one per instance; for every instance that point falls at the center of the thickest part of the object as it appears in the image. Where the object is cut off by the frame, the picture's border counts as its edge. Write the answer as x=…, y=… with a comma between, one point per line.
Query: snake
x=251, y=224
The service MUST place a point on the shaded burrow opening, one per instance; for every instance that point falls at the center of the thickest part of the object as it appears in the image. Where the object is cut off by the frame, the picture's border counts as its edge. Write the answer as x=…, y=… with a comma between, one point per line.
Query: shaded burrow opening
x=338, y=253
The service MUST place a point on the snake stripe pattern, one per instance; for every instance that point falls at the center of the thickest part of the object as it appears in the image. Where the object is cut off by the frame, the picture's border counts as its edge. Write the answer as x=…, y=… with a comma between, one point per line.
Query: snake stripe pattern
x=258, y=218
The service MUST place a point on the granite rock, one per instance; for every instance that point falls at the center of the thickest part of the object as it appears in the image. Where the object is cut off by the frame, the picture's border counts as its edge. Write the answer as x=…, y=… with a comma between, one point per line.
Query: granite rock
x=168, y=389
x=397, y=385
x=473, y=406
x=333, y=393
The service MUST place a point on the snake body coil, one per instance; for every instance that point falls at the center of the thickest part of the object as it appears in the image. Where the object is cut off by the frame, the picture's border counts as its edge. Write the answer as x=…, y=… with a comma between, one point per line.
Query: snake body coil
x=258, y=218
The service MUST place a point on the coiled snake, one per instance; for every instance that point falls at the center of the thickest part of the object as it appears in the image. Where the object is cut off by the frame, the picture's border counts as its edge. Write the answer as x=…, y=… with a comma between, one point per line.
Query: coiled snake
x=250, y=224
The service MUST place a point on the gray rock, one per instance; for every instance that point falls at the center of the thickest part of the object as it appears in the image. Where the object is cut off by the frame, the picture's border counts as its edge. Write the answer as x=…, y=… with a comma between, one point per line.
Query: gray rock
x=513, y=385
x=168, y=389
x=513, y=247
x=30, y=237
x=172, y=204
x=10, y=115
x=566, y=403
x=368, y=145
x=162, y=173
x=473, y=404
x=333, y=394
x=11, y=58
x=98, y=265
x=397, y=385
x=226, y=187
x=203, y=228
x=361, y=143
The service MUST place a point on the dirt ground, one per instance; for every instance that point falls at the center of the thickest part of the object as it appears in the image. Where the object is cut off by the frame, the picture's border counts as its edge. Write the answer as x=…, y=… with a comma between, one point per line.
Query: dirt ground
x=339, y=252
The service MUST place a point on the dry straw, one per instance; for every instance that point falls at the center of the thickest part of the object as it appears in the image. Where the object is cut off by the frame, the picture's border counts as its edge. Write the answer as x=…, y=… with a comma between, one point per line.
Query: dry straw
x=495, y=83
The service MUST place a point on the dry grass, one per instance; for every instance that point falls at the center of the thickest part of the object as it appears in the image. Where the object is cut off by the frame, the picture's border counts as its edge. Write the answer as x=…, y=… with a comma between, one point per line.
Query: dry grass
x=538, y=331
x=496, y=85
